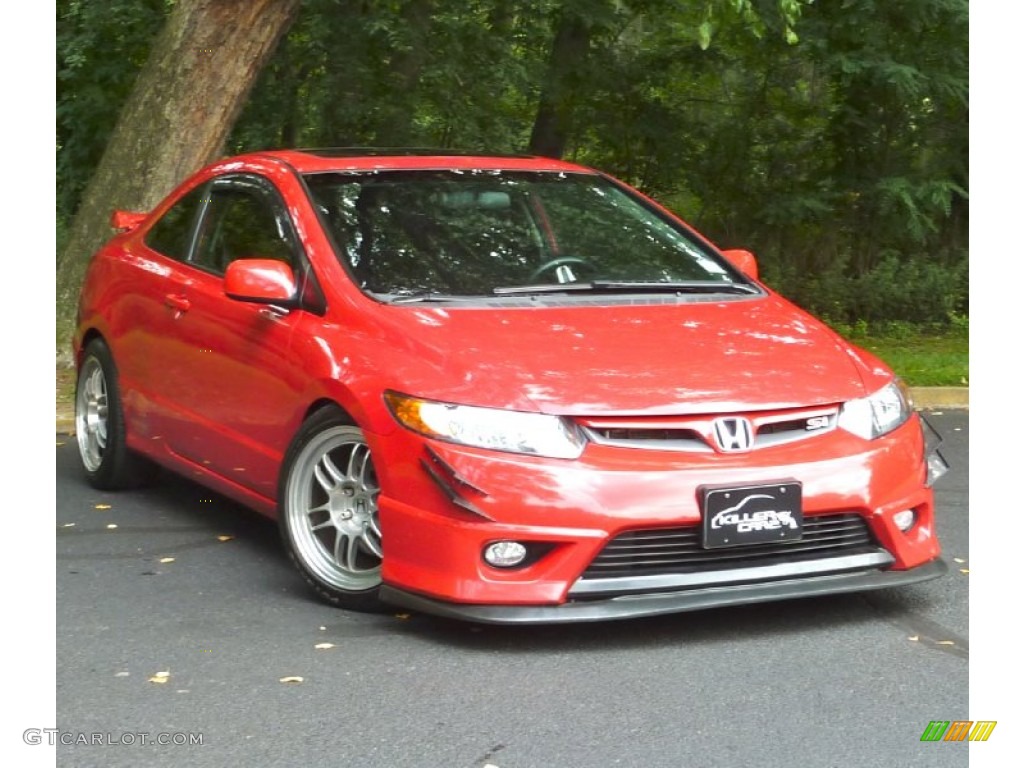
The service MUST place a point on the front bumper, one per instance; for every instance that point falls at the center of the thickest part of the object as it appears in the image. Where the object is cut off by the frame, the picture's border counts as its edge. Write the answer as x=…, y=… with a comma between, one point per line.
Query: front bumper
x=443, y=504
x=659, y=603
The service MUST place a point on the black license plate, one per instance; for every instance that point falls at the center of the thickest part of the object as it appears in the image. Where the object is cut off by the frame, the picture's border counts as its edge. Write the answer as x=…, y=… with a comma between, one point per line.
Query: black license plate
x=754, y=514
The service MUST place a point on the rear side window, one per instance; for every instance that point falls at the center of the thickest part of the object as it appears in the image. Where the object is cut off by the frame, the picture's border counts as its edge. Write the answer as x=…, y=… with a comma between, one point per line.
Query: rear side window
x=172, y=234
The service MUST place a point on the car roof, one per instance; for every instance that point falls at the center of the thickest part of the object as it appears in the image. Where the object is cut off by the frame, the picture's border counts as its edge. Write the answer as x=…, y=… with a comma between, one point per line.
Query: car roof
x=370, y=159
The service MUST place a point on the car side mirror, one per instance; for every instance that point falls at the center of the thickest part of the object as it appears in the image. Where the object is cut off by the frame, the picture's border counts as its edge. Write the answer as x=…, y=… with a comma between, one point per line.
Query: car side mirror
x=743, y=260
x=261, y=281
x=126, y=221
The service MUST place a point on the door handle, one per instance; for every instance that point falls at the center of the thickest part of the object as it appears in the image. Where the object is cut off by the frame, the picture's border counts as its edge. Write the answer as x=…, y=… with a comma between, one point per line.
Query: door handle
x=272, y=312
x=177, y=302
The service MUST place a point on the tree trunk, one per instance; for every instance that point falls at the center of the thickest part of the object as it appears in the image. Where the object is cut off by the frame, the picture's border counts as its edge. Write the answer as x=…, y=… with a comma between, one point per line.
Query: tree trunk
x=184, y=103
x=565, y=66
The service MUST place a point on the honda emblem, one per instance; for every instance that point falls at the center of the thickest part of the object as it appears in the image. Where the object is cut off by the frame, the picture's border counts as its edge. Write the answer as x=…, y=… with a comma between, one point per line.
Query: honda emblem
x=734, y=433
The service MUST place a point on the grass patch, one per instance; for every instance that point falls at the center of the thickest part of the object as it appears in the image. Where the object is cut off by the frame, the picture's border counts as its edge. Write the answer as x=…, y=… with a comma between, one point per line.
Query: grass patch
x=921, y=357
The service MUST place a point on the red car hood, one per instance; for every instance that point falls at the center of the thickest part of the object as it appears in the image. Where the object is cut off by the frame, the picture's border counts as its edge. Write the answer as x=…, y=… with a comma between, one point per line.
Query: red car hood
x=653, y=359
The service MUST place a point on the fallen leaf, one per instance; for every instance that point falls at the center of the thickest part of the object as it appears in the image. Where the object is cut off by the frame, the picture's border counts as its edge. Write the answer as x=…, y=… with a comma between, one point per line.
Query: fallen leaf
x=323, y=646
x=945, y=642
x=294, y=679
x=166, y=559
x=912, y=638
x=102, y=506
x=160, y=677
x=225, y=538
x=965, y=570
x=959, y=560
x=112, y=526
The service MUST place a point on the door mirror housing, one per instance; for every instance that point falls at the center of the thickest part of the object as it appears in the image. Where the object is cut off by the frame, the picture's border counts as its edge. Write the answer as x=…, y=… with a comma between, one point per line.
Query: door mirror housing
x=261, y=281
x=743, y=260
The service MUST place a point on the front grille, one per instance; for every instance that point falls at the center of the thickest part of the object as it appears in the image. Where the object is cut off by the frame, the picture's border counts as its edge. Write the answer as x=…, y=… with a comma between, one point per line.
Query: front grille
x=695, y=432
x=662, y=551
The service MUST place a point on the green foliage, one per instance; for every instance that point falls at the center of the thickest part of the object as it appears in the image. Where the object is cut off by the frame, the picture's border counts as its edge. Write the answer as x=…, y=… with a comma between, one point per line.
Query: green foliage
x=959, y=325
x=828, y=137
x=101, y=46
x=916, y=291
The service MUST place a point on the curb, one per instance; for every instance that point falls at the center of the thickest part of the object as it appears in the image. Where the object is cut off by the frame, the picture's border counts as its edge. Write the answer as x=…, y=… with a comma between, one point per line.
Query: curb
x=929, y=398
x=925, y=398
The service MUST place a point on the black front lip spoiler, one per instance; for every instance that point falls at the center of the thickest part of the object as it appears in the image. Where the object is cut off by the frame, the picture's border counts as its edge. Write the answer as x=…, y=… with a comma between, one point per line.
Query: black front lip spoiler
x=661, y=603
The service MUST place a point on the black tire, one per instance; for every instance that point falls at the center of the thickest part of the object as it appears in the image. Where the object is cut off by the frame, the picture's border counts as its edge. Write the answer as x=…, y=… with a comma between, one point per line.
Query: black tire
x=327, y=510
x=100, y=426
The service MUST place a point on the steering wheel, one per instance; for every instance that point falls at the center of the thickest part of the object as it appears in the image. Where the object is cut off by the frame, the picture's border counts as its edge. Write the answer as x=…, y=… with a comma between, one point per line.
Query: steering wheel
x=561, y=261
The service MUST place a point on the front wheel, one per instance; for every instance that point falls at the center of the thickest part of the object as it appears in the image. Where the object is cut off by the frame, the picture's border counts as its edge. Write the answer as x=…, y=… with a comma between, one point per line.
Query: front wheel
x=328, y=512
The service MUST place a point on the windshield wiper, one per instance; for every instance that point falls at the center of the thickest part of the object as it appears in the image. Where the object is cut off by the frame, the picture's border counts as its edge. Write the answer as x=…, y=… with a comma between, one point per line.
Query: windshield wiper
x=625, y=286
x=413, y=298
x=695, y=286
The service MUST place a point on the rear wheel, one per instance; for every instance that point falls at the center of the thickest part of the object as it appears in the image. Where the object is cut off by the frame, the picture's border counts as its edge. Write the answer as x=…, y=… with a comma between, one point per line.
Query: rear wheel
x=328, y=511
x=99, y=425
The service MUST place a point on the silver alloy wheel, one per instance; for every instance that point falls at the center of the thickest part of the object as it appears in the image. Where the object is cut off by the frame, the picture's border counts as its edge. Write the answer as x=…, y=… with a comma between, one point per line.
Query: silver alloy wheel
x=331, y=510
x=91, y=414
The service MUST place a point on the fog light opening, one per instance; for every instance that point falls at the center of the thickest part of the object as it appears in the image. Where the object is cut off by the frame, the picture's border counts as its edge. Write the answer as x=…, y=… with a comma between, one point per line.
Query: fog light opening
x=905, y=520
x=505, y=554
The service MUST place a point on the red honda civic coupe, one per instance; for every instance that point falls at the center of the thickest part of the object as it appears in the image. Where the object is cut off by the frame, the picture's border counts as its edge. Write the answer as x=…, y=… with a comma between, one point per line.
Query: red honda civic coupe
x=501, y=389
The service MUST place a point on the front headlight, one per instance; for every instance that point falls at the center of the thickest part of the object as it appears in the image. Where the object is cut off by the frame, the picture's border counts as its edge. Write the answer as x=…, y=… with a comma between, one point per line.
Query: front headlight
x=880, y=413
x=514, y=431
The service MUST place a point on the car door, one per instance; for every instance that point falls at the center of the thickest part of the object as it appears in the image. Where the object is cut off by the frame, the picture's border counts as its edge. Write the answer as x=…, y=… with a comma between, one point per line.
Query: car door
x=233, y=385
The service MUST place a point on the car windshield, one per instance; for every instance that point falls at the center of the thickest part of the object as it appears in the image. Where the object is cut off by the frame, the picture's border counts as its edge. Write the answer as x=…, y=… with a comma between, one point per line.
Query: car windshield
x=449, y=234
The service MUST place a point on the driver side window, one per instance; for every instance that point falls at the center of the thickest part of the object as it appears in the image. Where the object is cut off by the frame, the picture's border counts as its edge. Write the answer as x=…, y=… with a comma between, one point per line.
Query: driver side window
x=243, y=221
